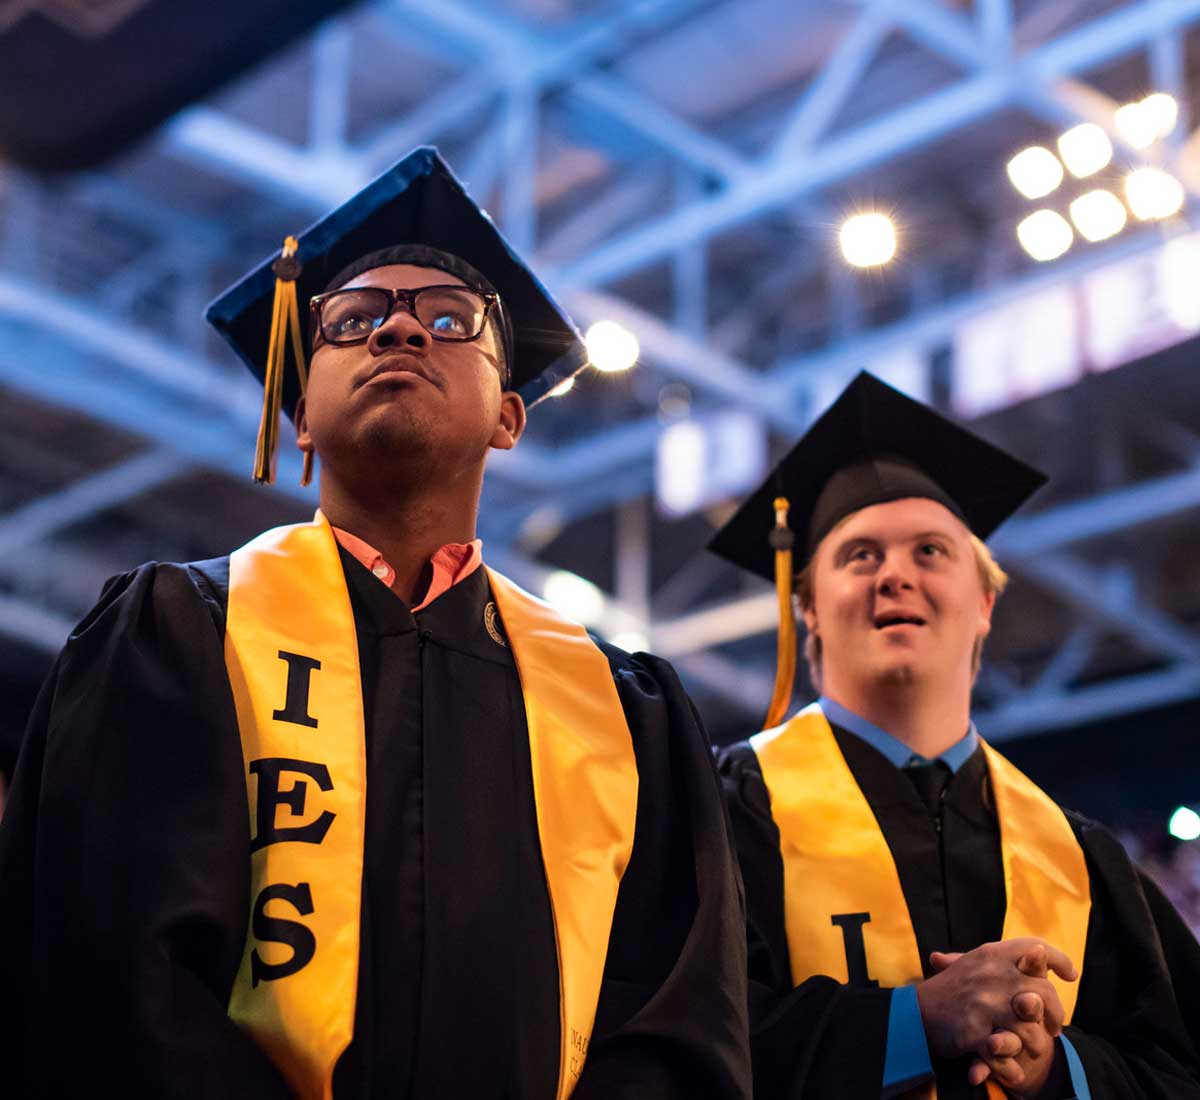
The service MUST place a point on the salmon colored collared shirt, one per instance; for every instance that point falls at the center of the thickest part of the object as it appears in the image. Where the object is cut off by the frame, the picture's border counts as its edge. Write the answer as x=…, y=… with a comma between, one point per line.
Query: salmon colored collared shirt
x=454, y=562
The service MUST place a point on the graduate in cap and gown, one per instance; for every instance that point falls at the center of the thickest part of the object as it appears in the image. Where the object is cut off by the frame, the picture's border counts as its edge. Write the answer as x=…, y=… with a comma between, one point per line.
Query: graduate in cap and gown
x=922, y=919
x=346, y=813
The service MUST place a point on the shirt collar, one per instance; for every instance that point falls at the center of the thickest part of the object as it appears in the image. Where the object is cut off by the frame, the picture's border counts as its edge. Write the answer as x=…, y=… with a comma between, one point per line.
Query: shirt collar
x=892, y=747
x=452, y=563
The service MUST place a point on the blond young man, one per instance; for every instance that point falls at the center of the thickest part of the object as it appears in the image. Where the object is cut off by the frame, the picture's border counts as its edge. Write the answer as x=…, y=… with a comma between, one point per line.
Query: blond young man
x=920, y=914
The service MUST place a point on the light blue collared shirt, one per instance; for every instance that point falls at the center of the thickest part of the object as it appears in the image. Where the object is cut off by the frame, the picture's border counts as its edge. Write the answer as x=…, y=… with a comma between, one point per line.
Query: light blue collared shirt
x=892, y=747
x=906, y=1060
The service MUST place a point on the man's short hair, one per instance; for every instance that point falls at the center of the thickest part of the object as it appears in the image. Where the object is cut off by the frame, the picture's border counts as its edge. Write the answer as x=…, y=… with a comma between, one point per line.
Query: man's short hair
x=993, y=579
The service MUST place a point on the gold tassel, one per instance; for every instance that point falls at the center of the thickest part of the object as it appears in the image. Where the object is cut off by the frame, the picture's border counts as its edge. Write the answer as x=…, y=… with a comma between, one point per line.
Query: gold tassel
x=785, y=665
x=285, y=324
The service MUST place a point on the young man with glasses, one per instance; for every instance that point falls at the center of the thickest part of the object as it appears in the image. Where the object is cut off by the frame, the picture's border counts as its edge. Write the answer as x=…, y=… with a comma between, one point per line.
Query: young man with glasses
x=907, y=888
x=347, y=813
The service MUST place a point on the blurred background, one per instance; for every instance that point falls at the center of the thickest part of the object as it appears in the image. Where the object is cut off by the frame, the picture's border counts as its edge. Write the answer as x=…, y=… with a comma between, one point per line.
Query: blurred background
x=992, y=204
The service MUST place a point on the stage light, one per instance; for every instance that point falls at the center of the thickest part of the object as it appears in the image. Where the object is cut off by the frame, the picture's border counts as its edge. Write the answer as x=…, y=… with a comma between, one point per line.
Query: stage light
x=1098, y=215
x=1153, y=194
x=632, y=641
x=1045, y=235
x=611, y=347
x=1184, y=824
x=868, y=240
x=1035, y=172
x=1141, y=124
x=574, y=596
x=564, y=387
x=1163, y=110
x=1085, y=149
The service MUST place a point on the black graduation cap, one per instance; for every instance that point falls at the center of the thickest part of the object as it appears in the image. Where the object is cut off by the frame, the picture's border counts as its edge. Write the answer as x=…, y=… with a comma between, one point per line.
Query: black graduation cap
x=416, y=202
x=873, y=445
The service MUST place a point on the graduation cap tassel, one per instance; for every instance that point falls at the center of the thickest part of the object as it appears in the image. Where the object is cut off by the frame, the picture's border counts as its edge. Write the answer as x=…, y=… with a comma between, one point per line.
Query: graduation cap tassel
x=285, y=324
x=782, y=541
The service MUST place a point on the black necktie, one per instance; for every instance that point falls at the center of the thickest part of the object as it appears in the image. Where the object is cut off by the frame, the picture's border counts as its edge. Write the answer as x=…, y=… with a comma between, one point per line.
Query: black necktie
x=930, y=781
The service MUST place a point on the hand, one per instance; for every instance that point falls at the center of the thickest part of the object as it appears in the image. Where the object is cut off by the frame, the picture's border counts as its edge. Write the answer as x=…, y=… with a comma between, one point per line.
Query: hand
x=972, y=996
x=1027, y=1061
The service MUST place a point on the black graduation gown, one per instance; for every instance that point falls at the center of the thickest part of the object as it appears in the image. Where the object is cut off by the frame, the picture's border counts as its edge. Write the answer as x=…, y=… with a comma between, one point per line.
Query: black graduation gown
x=124, y=873
x=1140, y=988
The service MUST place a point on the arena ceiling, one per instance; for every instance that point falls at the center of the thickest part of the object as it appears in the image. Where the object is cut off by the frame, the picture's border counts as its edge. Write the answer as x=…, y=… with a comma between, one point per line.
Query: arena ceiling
x=682, y=167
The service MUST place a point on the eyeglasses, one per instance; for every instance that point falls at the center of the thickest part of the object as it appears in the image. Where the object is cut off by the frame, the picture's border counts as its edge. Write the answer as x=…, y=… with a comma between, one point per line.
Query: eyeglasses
x=451, y=313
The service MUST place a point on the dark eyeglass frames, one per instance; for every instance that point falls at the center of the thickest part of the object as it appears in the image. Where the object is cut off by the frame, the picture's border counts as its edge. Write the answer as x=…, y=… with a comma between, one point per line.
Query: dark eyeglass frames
x=451, y=313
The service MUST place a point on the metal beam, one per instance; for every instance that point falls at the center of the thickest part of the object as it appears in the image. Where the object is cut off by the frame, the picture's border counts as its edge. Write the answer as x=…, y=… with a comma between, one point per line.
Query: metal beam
x=481, y=34
x=940, y=30
x=28, y=622
x=202, y=432
x=668, y=131
x=904, y=130
x=728, y=680
x=86, y=497
x=320, y=178
x=329, y=99
x=689, y=277
x=433, y=116
x=995, y=21
x=1026, y=539
x=838, y=77
x=599, y=219
x=716, y=624
x=1085, y=590
x=702, y=367
x=520, y=158
x=1028, y=715
x=1068, y=661
x=935, y=326
x=543, y=63
x=154, y=359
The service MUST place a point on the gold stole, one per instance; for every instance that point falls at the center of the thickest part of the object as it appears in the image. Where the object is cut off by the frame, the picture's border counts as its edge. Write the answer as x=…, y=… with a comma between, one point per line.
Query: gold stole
x=837, y=862
x=292, y=656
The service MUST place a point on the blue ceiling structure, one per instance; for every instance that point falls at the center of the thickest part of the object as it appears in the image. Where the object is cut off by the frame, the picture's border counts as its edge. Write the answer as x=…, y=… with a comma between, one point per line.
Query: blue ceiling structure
x=682, y=167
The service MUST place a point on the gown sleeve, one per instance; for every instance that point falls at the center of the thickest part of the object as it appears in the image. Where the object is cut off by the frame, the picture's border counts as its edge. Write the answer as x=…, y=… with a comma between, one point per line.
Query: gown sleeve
x=671, y=1020
x=124, y=862
x=817, y=1039
x=1136, y=1026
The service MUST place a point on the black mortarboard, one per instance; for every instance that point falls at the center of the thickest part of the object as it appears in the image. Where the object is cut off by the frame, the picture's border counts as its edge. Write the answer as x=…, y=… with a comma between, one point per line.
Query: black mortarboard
x=873, y=445
x=416, y=202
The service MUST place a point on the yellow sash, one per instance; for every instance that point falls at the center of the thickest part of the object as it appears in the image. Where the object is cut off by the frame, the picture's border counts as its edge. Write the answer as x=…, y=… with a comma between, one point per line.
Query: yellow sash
x=292, y=656
x=836, y=862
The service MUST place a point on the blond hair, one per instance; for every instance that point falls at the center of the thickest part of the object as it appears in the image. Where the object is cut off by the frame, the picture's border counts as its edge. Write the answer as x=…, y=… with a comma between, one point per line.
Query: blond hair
x=992, y=578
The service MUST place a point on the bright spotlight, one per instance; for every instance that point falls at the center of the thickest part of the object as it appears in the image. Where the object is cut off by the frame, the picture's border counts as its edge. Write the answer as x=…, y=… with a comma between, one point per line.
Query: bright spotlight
x=1045, y=235
x=611, y=347
x=1098, y=215
x=1184, y=824
x=1135, y=125
x=1153, y=194
x=564, y=387
x=868, y=240
x=1085, y=149
x=1035, y=172
x=1141, y=124
x=1163, y=111
x=574, y=596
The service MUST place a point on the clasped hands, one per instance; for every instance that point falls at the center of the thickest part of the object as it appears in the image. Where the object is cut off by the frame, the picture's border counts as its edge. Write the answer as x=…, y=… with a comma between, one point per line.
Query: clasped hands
x=997, y=1003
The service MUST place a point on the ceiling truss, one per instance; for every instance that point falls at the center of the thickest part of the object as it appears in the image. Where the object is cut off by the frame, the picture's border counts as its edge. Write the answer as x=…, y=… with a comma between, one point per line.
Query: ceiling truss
x=96, y=355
